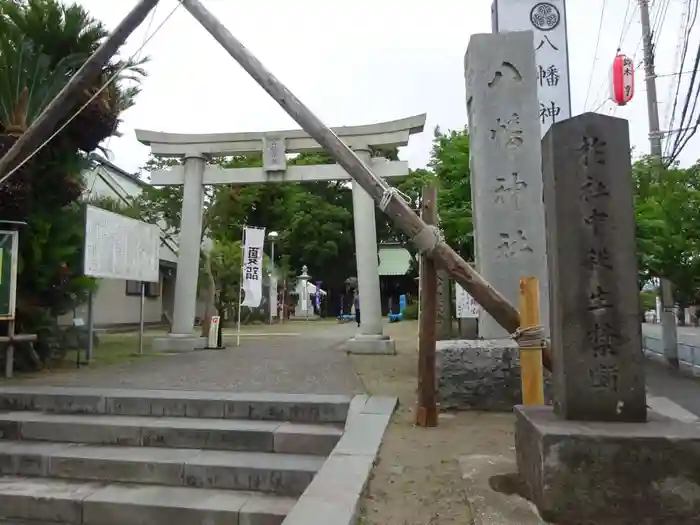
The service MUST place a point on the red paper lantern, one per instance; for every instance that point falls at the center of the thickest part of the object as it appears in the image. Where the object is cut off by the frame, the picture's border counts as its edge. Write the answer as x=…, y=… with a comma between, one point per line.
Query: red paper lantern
x=622, y=80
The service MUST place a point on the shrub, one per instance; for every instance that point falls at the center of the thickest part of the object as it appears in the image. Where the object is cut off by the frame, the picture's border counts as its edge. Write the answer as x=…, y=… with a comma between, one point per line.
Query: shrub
x=411, y=312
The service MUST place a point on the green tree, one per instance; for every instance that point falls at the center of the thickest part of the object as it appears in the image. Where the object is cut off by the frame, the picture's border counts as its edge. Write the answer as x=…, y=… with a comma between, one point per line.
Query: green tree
x=667, y=208
x=42, y=43
x=450, y=163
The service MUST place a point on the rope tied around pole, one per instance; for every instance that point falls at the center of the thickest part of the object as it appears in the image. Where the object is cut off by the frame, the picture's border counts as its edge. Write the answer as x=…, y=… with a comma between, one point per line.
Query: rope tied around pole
x=428, y=238
x=389, y=193
x=530, y=337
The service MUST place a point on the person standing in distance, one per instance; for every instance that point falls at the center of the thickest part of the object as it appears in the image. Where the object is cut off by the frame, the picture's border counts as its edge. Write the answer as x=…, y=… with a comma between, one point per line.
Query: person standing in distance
x=357, y=307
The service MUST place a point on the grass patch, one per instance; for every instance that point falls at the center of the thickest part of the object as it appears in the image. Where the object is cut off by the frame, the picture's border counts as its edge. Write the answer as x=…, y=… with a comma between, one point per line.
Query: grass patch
x=114, y=349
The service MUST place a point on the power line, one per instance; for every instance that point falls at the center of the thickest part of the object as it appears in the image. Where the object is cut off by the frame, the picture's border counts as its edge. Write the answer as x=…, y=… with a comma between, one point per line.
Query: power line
x=137, y=58
x=93, y=97
x=663, y=13
x=678, y=64
x=595, y=54
x=692, y=14
x=626, y=23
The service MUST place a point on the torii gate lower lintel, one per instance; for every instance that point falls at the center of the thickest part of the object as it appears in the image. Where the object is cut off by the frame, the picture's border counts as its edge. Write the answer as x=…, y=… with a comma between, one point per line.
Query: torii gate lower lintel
x=274, y=145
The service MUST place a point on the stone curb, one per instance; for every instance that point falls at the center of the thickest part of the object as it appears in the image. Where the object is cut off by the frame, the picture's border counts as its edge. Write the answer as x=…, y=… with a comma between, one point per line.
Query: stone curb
x=333, y=497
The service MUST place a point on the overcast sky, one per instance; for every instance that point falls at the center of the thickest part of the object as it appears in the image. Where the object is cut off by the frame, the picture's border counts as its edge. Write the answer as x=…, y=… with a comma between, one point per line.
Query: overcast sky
x=359, y=62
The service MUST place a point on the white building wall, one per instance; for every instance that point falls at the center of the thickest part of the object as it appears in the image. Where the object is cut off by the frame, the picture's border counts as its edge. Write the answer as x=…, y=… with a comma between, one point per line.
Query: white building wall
x=112, y=306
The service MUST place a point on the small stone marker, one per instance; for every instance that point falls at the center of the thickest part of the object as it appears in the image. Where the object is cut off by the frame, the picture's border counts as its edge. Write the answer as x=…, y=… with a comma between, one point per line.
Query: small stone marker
x=595, y=329
x=506, y=177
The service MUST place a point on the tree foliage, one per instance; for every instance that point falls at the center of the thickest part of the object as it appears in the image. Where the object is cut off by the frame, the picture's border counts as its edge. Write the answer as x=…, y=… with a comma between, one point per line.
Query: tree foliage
x=667, y=207
x=43, y=43
x=314, y=219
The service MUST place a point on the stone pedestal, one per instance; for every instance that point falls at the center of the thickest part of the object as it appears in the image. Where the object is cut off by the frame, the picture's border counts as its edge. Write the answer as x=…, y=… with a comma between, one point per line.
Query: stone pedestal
x=179, y=343
x=582, y=473
x=371, y=344
x=479, y=375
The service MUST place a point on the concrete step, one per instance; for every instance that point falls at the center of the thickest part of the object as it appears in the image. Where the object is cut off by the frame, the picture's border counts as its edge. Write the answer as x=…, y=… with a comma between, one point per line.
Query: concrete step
x=167, y=432
x=302, y=408
x=282, y=474
x=26, y=522
x=91, y=503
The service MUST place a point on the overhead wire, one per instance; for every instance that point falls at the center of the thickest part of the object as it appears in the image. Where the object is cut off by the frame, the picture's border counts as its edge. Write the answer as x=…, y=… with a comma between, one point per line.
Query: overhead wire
x=685, y=131
x=137, y=58
x=674, y=147
x=678, y=64
x=595, y=53
x=97, y=93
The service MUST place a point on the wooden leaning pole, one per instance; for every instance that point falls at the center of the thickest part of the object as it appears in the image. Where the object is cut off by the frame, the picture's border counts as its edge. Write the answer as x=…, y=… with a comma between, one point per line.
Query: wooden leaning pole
x=426, y=408
x=425, y=237
x=390, y=202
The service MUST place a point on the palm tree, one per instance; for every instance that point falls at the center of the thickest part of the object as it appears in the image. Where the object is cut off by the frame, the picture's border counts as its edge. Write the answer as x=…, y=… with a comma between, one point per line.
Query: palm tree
x=43, y=43
x=65, y=36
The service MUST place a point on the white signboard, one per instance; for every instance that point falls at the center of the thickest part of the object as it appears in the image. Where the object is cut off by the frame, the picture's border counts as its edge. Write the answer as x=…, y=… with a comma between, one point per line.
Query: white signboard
x=117, y=247
x=548, y=21
x=466, y=306
x=213, y=340
x=252, y=266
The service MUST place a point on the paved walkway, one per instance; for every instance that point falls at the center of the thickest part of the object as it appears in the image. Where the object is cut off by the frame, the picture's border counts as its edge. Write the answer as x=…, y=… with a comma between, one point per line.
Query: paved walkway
x=662, y=381
x=312, y=362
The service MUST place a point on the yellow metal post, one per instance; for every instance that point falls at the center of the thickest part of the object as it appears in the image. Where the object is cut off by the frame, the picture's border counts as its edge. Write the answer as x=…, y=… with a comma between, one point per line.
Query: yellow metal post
x=531, y=369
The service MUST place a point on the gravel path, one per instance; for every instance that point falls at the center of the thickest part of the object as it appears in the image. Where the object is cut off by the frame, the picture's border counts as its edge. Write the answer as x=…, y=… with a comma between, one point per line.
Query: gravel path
x=311, y=362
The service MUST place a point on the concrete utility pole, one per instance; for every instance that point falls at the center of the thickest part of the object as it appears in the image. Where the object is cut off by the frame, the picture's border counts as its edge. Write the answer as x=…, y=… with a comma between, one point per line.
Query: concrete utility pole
x=668, y=318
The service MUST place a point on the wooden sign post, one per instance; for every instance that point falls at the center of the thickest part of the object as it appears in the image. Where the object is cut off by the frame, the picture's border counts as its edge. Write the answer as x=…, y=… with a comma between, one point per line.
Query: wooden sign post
x=531, y=371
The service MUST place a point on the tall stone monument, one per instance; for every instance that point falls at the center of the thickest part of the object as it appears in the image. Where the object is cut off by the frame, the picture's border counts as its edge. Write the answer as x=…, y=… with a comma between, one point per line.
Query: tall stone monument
x=504, y=135
x=508, y=215
x=597, y=456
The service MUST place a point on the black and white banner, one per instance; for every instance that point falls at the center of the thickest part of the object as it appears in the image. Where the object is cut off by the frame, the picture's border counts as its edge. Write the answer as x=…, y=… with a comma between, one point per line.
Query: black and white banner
x=253, y=266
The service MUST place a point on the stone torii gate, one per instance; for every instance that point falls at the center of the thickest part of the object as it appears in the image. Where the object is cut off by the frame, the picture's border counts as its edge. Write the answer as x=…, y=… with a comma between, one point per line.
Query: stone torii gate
x=275, y=145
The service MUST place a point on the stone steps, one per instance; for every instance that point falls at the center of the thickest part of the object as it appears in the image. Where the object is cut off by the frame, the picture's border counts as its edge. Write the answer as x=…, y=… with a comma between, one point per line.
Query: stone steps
x=282, y=474
x=91, y=503
x=86, y=456
x=171, y=432
x=300, y=408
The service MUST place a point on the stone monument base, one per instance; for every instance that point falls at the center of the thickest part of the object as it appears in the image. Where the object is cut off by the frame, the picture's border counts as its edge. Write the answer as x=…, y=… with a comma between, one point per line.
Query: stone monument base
x=480, y=375
x=581, y=473
x=179, y=343
x=371, y=344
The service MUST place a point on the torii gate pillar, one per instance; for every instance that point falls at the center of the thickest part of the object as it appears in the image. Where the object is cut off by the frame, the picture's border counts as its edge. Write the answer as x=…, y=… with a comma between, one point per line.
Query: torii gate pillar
x=274, y=146
x=371, y=339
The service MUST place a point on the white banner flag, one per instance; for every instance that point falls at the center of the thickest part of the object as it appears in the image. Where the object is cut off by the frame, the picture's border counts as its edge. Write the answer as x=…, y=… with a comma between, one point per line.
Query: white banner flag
x=467, y=307
x=252, y=266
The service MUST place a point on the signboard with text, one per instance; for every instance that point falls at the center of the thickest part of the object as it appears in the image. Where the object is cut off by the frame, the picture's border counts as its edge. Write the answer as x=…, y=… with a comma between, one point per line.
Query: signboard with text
x=548, y=22
x=466, y=306
x=213, y=339
x=118, y=247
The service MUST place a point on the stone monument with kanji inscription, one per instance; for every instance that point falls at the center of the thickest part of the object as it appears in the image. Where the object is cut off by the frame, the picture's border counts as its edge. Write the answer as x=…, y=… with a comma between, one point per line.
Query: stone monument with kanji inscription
x=508, y=215
x=597, y=456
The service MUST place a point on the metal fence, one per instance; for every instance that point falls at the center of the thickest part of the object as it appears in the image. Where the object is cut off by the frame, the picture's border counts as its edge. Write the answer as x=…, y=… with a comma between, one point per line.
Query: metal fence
x=688, y=355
